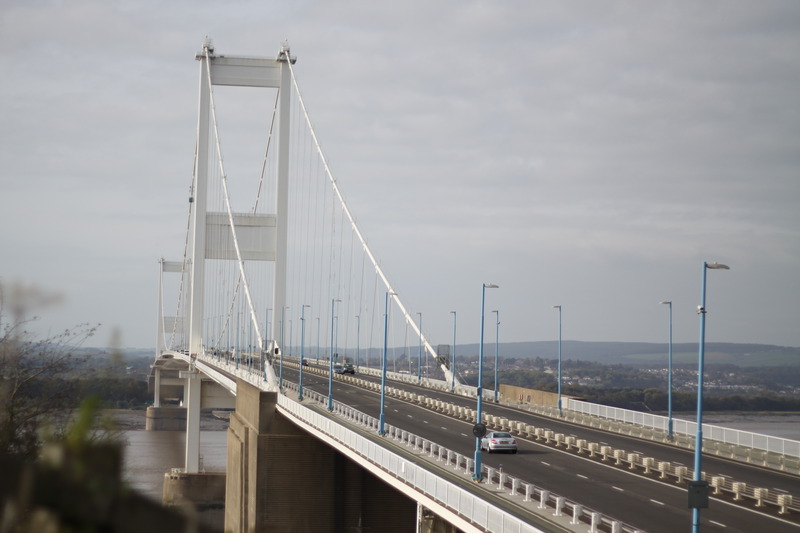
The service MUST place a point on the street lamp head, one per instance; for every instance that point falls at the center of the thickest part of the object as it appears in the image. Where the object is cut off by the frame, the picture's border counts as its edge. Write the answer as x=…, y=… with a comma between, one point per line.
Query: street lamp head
x=491, y=286
x=668, y=302
x=556, y=307
x=717, y=266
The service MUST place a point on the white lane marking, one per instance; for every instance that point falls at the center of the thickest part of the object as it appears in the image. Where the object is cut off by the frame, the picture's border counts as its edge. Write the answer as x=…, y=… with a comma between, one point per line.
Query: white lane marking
x=545, y=464
x=617, y=488
x=463, y=434
x=716, y=523
x=656, y=501
x=445, y=428
x=582, y=476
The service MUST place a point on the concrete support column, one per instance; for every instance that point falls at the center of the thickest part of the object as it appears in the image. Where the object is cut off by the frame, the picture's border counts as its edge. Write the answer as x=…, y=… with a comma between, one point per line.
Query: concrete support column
x=157, y=387
x=192, y=401
x=280, y=478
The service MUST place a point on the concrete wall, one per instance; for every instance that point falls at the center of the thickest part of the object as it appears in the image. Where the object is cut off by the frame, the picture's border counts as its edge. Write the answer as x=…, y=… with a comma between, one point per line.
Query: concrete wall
x=510, y=393
x=282, y=479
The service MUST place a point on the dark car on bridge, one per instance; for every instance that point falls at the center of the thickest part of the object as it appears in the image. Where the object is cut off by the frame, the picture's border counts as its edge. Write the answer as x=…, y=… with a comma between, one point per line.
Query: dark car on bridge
x=347, y=368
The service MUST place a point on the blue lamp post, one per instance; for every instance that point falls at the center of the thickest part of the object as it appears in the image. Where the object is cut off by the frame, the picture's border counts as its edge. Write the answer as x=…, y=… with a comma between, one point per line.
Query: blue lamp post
x=559, y=356
x=318, y=344
x=382, y=419
x=238, y=339
x=496, y=351
x=698, y=495
x=302, y=350
x=330, y=370
x=419, y=357
x=453, y=357
x=358, y=340
x=669, y=375
x=477, y=474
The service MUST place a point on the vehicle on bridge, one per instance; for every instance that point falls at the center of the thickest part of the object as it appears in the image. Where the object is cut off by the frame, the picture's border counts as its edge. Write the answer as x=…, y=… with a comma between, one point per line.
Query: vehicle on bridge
x=348, y=369
x=499, y=441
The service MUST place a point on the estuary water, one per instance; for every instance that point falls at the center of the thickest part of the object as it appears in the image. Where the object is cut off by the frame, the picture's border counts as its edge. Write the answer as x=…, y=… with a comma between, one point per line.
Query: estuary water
x=785, y=426
x=151, y=454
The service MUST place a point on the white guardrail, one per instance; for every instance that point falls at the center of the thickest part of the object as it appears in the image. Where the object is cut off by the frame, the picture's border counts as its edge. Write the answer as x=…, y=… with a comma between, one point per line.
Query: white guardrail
x=786, y=447
x=470, y=506
x=745, y=439
x=634, y=461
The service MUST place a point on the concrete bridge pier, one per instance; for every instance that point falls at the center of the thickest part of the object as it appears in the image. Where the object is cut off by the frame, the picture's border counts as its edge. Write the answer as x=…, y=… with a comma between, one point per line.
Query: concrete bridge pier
x=282, y=479
x=164, y=418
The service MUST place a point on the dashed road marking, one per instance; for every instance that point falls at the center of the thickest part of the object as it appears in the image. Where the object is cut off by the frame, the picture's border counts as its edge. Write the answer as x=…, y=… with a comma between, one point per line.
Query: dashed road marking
x=545, y=464
x=656, y=502
x=617, y=488
x=716, y=523
x=582, y=476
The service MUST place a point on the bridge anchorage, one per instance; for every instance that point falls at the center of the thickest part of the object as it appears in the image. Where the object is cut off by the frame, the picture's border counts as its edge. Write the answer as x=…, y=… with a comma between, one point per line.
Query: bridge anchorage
x=276, y=294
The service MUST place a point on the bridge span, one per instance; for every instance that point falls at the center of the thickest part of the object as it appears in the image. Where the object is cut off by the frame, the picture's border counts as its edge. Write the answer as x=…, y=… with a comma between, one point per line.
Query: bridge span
x=531, y=487
x=274, y=265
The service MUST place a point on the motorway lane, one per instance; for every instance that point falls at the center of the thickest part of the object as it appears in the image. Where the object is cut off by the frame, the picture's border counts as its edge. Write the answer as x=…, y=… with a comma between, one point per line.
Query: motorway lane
x=754, y=476
x=654, y=506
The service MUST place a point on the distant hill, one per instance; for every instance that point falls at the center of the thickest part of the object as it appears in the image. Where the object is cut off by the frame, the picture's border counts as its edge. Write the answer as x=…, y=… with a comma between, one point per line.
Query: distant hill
x=646, y=354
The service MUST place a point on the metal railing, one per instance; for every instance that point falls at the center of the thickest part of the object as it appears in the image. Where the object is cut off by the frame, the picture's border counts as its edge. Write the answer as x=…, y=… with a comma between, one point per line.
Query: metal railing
x=767, y=443
x=465, y=503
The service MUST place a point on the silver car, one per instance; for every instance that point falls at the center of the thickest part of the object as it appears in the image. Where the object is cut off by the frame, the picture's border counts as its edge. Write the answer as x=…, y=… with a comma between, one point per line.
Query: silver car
x=499, y=441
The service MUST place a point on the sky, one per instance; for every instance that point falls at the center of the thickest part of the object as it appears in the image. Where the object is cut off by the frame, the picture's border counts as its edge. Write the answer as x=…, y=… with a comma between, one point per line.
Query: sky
x=588, y=154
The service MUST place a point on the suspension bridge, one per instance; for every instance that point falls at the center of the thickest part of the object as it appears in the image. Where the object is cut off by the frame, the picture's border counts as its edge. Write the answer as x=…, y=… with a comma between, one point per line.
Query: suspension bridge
x=277, y=273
